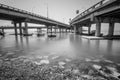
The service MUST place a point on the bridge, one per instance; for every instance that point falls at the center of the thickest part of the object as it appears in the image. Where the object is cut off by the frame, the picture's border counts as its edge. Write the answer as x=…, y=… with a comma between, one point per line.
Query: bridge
x=19, y=16
x=105, y=11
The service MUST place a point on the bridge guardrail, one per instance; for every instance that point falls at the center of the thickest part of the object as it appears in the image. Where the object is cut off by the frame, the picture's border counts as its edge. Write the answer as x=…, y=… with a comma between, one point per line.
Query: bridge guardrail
x=91, y=9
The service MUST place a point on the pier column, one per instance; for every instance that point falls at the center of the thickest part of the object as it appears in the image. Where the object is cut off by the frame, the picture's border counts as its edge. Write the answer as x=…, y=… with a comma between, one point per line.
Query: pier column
x=3, y=31
x=51, y=29
x=75, y=28
x=98, y=29
x=89, y=29
x=26, y=28
x=20, y=28
x=15, y=25
x=66, y=30
x=47, y=27
x=111, y=29
x=55, y=30
x=80, y=30
x=60, y=30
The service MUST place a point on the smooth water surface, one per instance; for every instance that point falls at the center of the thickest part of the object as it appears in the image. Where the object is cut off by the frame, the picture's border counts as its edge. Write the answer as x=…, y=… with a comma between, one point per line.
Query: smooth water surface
x=66, y=45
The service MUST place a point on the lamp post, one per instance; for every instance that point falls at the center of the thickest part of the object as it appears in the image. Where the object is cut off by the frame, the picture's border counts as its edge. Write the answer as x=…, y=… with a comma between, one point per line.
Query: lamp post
x=47, y=10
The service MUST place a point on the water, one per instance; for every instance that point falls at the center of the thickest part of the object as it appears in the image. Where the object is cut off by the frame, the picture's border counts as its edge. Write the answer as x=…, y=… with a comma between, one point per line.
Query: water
x=66, y=45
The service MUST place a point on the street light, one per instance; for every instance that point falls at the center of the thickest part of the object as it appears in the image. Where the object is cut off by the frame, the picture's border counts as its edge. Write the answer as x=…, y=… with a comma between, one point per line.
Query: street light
x=47, y=10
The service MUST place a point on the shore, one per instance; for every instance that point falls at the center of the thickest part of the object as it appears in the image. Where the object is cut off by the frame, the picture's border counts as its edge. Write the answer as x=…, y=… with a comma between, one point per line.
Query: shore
x=58, y=68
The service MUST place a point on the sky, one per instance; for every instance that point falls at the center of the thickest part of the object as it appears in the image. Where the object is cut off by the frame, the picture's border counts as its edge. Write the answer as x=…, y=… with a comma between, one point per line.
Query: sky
x=60, y=10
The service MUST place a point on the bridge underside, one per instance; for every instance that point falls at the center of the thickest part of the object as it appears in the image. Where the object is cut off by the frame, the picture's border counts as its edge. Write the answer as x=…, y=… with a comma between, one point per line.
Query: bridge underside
x=106, y=13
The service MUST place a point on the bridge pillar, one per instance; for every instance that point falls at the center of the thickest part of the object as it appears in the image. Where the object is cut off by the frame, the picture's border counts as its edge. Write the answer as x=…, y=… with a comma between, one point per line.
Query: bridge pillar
x=26, y=28
x=80, y=30
x=20, y=28
x=89, y=29
x=66, y=30
x=15, y=25
x=55, y=30
x=98, y=29
x=3, y=31
x=111, y=29
x=75, y=28
x=51, y=30
x=60, y=30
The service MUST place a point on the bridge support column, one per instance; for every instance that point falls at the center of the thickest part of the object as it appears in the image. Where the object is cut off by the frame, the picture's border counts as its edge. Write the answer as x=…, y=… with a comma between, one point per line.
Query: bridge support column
x=98, y=29
x=75, y=28
x=60, y=30
x=80, y=30
x=66, y=30
x=51, y=30
x=89, y=29
x=3, y=31
x=111, y=29
x=26, y=28
x=20, y=28
x=55, y=30
x=15, y=25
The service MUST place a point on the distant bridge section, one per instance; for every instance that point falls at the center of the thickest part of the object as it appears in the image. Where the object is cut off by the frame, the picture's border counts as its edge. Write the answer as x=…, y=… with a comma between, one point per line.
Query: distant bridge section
x=19, y=16
x=105, y=11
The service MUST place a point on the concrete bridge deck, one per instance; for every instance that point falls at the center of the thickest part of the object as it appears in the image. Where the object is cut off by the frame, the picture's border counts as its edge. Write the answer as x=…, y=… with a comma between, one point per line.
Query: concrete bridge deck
x=18, y=16
x=105, y=11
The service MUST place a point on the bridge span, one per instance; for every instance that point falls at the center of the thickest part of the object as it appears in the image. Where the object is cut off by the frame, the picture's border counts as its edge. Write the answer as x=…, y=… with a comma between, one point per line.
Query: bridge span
x=18, y=16
x=105, y=11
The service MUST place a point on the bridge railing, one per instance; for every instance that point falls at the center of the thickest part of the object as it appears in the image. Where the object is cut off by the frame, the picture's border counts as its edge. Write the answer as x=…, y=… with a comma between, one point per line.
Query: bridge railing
x=91, y=9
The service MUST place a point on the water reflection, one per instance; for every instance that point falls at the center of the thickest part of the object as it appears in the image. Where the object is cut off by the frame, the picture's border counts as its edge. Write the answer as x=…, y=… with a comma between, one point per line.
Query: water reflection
x=68, y=45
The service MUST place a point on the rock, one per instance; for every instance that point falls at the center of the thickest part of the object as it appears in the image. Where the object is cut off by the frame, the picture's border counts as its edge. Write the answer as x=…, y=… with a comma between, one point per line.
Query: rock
x=10, y=53
x=87, y=76
x=96, y=60
x=68, y=60
x=42, y=62
x=76, y=71
x=45, y=57
x=114, y=72
x=55, y=57
x=61, y=63
x=97, y=67
x=87, y=59
x=108, y=61
x=1, y=61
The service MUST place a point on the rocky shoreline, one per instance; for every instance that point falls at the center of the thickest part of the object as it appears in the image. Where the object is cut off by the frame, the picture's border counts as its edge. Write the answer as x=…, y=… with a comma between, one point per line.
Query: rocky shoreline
x=55, y=68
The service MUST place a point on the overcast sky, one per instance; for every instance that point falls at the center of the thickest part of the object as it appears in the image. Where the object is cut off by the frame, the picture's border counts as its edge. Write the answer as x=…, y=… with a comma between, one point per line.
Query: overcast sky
x=60, y=10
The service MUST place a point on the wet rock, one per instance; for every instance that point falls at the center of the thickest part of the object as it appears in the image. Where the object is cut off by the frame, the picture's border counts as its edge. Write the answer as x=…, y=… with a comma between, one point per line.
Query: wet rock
x=87, y=59
x=97, y=67
x=119, y=77
x=108, y=61
x=1, y=61
x=87, y=76
x=42, y=62
x=61, y=63
x=114, y=72
x=96, y=60
x=10, y=53
x=55, y=57
x=67, y=60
